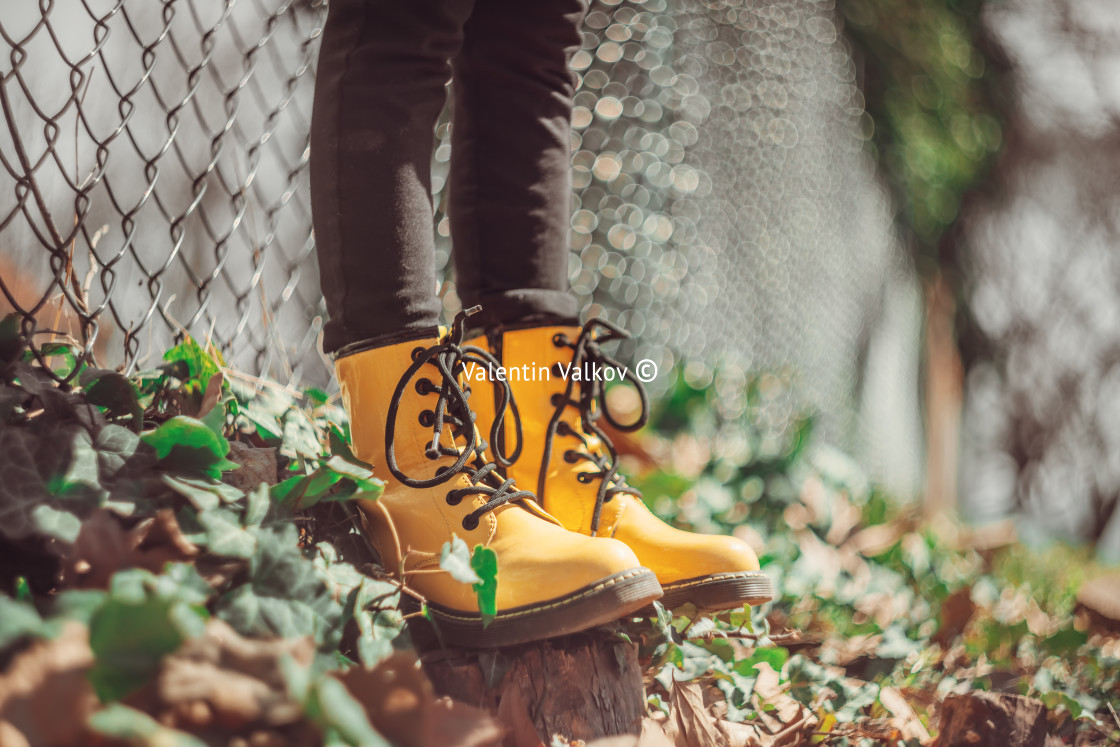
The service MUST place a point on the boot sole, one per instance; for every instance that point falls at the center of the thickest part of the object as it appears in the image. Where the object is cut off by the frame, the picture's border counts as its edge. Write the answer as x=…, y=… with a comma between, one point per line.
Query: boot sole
x=721, y=591
x=600, y=603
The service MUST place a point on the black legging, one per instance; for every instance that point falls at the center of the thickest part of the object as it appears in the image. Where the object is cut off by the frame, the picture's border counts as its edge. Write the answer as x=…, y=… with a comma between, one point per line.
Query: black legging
x=382, y=70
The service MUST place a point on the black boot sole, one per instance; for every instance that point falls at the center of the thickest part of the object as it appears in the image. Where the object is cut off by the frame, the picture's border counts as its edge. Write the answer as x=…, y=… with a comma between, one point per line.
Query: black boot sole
x=600, y=603
x=721, y=591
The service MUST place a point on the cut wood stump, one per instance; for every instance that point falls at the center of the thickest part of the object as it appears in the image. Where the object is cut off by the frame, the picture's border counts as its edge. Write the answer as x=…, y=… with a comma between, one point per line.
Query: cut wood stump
x=981, y=718
x=583, y=686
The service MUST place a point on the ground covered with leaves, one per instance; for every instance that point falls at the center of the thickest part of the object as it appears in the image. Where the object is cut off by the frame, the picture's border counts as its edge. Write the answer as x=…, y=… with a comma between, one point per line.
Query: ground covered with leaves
x=182, y=563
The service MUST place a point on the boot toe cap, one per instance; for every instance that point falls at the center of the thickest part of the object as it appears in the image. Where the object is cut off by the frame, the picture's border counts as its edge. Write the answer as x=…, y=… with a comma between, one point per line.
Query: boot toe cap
x=722, y=554
x=675, y=555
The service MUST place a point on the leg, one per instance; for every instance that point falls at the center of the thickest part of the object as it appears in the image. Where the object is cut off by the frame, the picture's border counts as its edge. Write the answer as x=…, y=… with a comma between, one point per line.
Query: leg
x=383, y=67
x=510, y=178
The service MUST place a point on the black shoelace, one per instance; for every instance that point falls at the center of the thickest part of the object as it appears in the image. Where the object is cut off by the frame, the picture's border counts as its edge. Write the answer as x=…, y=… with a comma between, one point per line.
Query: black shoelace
x=591, y=404
x=452, y=408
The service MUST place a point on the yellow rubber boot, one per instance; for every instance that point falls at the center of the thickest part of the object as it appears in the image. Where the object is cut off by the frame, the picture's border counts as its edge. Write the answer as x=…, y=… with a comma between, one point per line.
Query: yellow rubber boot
x=572, y=466
x=410, y=418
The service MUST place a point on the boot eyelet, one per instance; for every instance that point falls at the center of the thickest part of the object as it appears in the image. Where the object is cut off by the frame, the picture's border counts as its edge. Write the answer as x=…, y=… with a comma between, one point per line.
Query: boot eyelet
x=555, y=399
x=584, y=477
x=424, y=386
x=470, y=523
x=571, y=456
x=417, y=352
x=557, y=370
x=453, y=500
x=427, y=418
x=563, y=429
x=560, y=340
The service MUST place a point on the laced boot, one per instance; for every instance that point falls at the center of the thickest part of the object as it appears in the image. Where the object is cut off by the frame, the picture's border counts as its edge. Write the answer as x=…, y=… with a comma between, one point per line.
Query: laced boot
x=411, y=419
x=573, y=466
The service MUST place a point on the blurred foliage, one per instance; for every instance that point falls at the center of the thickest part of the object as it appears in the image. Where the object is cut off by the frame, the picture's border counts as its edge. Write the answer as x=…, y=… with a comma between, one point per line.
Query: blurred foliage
x=120, y=539
x=927, y=77
x=873, y=602
x=191, y=610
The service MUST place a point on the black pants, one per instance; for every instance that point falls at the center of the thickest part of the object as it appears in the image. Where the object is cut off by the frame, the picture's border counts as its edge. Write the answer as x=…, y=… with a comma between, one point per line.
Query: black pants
x=383, y=67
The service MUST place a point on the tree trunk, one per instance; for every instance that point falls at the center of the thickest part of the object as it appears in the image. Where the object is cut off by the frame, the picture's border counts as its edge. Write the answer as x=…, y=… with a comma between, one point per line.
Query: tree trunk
x=944, y=385
x=582, y=686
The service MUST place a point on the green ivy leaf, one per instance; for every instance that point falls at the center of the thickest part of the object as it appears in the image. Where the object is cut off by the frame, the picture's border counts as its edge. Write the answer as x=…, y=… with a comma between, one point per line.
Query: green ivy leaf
x=198, y=364
x=484, y=562
x=129, y=634
x=304, y=491
x=81, y=476
x=300, y=438
x=78, y=604
x=348, y=469
x=65, y=351
x=776, y=657
x=742, y=619
x=133, y=726
x=114, y=392
x=26, y=508
x=11, y=341
x=330, y=705
x=203, y=494
x=117, y=448
x=456, y=559
x=18, y=619
x=224, y=535
x=256, y=506
x=285, y=594
x=188, y=446
x=340, y=446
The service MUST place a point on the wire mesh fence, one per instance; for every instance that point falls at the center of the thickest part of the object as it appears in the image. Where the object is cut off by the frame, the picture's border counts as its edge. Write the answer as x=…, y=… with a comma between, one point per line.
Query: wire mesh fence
x=155, y=158
x=154, y=183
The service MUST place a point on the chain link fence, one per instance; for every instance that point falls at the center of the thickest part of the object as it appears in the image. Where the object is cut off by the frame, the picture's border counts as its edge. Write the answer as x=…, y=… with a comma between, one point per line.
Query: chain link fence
x=154, y=177
x=154, y=183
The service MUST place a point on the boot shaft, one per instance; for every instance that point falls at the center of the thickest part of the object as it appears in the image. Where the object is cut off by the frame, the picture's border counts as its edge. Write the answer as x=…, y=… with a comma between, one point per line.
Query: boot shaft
x=546, y=386
x=368, y=380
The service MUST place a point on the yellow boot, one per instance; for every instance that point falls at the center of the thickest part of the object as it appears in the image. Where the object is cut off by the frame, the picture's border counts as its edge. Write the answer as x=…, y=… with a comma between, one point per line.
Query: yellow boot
x=411, y=419
x=572, y=465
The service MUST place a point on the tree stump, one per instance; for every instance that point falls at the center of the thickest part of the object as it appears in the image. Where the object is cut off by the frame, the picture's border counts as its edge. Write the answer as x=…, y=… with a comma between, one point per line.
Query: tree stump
x=581, y=686
x=980, y=718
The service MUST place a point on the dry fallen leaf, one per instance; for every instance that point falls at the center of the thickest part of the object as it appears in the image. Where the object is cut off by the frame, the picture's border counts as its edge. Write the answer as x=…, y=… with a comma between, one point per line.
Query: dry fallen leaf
x=396, y=696
x=257, y=465
x=905, y=719
x=210, y=397
x=740, y=735
x=222, y=679
x=104, y=546
x=695, y=725
x=400, y=703
x=653, y=735
x=463, y=725
x=956, y=612
x=45, y=698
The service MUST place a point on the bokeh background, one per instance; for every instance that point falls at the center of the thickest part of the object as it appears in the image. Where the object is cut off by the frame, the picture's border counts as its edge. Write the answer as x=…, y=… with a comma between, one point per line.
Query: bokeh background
x=905, y=209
